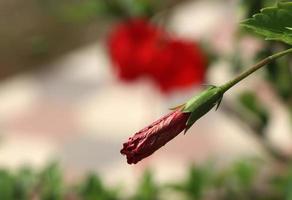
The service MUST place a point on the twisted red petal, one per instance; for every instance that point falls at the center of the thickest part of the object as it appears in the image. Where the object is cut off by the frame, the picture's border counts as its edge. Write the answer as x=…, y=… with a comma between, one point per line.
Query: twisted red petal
x=154, y=136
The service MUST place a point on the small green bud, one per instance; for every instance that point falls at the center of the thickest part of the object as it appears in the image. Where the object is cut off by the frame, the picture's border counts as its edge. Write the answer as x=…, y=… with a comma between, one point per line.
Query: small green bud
x=202, y=103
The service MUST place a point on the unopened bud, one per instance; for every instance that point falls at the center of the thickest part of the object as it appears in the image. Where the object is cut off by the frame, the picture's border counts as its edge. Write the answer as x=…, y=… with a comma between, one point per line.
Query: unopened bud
x=148, y=140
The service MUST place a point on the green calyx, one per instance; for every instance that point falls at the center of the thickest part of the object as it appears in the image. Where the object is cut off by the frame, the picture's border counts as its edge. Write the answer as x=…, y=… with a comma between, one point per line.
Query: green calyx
x=202, y=103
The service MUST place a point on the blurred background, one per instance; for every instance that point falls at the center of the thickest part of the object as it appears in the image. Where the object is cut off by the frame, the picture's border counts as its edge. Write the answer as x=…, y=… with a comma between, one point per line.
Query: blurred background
x=78, y=78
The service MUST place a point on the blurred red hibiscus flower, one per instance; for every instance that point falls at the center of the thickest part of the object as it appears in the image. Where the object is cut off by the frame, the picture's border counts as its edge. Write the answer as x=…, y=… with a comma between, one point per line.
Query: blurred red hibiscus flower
x=140, y=49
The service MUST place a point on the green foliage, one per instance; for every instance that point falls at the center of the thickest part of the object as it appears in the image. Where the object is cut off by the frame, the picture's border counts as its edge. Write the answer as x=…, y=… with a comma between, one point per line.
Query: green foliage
x=244, y=172
x=147, y=188
x=93, y=189
x=257, y=113
x=252, y=7
x=279, y=72
x=282, y=184
x=19, y=186
x=6, y=185
x=25, y=181
x=275, y=23
x=194, y=187
x=86, y=10
x=237, y=181
x=51, y=183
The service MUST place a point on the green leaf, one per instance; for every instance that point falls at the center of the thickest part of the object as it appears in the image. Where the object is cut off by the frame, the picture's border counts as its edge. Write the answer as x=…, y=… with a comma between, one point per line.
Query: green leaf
x=275, y=23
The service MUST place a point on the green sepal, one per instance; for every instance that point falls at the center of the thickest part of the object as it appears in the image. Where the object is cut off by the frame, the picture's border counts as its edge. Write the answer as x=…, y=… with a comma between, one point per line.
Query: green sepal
x=202, y=103
x=177, y=107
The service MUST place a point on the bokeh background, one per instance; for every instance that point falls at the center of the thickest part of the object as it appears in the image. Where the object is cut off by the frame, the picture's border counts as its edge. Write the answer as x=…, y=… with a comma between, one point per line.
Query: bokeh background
x=65, y=101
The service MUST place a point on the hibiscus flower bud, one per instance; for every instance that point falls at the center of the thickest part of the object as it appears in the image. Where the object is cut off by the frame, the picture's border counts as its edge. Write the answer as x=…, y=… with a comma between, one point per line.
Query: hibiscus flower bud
x=148, y=140
x=154, y=136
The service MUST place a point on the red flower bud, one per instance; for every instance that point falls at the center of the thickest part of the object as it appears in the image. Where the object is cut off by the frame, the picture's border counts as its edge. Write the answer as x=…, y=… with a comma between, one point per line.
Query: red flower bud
x=148, y=140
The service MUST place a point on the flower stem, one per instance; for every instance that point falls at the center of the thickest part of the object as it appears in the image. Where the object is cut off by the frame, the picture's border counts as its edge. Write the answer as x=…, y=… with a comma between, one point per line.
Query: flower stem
x=257, y=66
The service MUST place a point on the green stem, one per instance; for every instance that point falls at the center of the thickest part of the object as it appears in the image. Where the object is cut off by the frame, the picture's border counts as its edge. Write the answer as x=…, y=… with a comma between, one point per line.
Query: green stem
x=257, y=66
